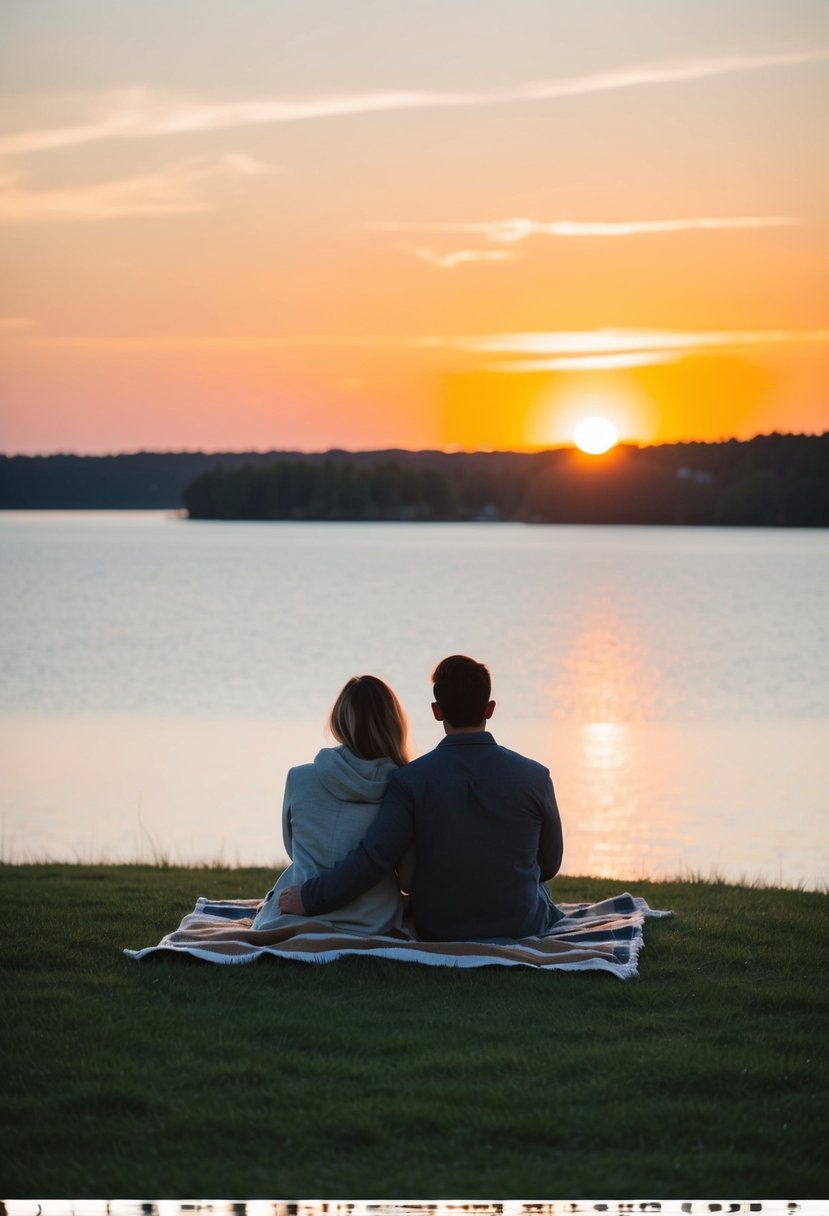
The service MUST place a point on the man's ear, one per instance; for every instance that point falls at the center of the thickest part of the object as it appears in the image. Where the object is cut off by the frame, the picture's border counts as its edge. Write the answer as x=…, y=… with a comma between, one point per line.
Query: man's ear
x=490, y=710
x=437, y=712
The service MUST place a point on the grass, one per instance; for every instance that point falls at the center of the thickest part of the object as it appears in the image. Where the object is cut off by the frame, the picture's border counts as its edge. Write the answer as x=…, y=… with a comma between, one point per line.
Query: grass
x=706, y=1076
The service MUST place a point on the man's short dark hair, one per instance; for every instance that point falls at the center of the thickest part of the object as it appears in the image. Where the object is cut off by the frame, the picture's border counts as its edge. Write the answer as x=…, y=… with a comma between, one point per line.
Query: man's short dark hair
x=462, y=689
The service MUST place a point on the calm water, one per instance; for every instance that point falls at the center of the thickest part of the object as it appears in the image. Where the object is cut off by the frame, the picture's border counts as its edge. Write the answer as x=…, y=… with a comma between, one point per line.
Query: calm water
x=159, y=676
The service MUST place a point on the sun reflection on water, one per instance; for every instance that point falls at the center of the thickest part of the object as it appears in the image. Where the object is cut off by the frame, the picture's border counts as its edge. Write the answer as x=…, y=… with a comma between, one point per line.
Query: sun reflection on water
x=608, y=672
x=611, y=802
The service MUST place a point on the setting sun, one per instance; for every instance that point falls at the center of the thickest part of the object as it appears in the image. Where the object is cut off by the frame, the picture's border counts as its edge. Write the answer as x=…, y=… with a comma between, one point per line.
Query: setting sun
x=595, y=435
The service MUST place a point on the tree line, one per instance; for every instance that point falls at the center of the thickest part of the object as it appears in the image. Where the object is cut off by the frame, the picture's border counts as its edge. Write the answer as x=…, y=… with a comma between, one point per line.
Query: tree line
x=772, y=480
x=138, y=481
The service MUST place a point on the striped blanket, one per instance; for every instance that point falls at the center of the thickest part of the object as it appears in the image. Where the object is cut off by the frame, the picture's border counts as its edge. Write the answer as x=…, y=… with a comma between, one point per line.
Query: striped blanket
x=605, y=936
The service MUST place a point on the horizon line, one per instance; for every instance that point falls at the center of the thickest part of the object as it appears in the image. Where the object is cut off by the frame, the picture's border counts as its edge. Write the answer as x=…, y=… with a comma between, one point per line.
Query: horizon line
x=450, y=450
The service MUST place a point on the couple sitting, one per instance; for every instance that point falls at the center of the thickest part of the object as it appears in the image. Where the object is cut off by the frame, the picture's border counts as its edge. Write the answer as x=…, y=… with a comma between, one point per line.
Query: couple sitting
x=470, y=830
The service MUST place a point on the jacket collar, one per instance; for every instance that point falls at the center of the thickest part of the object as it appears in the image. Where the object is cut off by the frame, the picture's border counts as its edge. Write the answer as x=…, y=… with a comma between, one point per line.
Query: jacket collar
x=473, y=739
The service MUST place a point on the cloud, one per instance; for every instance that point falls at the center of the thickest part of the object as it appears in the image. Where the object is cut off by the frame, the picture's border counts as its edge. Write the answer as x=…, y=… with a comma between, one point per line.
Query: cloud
x=519, y=228
x=669, y=72
x=543, y=350
x=15, y=323
x=587, y=363
x=173, y=191
x=605, y=341
x=142, y=113
x=604, y=349
x=448, y=261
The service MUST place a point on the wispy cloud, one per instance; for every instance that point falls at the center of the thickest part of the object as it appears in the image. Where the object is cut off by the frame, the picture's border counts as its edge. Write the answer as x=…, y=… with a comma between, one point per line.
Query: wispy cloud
x=505, y=352
x=448, y=261
x=15, y=324
x=587, y=363
x=172, y=191
x=667, y=72
x=604, y=349
x=519, y=228
x=602, y=341
x=139, y=114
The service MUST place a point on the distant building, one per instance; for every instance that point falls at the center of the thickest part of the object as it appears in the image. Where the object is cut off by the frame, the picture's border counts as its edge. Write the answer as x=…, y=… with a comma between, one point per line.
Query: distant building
x=489, y=514
x=700, y=477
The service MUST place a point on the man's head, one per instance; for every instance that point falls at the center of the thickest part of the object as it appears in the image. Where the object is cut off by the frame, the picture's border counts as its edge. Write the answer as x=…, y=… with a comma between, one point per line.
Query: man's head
x=462, y=690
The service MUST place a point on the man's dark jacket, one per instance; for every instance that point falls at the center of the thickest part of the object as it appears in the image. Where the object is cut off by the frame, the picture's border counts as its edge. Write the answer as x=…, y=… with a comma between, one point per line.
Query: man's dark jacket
x=487, y=835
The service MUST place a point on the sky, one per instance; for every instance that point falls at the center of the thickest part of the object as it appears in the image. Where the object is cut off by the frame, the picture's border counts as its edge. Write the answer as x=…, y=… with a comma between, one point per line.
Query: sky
x=460, y=224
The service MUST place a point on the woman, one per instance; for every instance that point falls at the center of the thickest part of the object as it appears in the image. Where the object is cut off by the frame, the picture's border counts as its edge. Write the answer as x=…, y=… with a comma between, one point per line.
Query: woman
x=329, y=805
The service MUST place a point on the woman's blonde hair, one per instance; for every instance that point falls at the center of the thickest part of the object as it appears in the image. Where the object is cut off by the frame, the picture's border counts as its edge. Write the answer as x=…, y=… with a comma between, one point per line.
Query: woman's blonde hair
x=368, y=718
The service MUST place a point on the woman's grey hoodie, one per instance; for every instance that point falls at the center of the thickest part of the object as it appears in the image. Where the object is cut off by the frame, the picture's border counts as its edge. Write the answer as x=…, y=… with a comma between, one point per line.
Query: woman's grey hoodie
x=327, y=809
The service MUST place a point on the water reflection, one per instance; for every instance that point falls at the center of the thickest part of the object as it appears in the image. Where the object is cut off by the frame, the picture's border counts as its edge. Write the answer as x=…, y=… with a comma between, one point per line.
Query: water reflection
x=620, y=826
x=261, y=1207
x=603, y=757
x=612, y=685
x=608, y=674
x=648, y=800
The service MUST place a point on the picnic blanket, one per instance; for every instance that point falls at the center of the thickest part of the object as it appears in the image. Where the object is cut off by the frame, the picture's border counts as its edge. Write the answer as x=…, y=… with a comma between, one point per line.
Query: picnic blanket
x=605, y=936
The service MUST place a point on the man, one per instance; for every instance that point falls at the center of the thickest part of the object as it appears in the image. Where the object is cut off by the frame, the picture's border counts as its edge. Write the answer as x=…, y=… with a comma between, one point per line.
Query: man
x=483, y=821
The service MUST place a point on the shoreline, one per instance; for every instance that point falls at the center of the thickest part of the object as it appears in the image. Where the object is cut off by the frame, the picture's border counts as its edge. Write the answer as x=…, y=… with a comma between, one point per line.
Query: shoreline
x=717, y=881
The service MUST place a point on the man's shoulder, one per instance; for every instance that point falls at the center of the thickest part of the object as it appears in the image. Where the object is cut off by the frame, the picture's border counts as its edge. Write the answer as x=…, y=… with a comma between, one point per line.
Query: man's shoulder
x=416, y=768
x=422, y=770
x=439, y=757
x=519, y=761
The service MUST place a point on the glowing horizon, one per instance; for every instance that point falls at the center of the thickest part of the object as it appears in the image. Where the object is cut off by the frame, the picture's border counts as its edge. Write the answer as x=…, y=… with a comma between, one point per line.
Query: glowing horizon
x=340, y=237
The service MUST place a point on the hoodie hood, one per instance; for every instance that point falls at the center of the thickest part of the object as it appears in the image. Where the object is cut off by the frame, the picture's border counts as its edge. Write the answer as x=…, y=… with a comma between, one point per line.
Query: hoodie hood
x=350, y=778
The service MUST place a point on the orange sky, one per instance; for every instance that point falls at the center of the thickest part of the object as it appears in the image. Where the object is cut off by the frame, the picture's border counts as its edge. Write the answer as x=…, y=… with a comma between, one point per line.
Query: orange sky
x=249, y=225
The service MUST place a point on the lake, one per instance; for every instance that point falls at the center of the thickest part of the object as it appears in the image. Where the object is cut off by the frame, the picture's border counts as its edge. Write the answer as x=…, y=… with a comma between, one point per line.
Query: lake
x=159, y=676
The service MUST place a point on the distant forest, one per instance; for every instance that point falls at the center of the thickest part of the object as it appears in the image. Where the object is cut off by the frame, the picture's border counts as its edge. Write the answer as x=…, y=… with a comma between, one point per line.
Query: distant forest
x=773, y=480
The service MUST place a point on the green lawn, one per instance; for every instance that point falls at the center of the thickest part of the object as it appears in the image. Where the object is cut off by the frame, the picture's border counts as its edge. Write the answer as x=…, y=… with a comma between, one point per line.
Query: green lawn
x=368, y=1079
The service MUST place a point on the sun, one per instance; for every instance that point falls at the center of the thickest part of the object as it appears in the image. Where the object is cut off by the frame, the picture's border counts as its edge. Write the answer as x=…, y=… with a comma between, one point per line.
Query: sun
x=595, y=435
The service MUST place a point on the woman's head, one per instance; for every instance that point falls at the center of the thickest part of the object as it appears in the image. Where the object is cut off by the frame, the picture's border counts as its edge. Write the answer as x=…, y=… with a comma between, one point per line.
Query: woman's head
x=368, y=718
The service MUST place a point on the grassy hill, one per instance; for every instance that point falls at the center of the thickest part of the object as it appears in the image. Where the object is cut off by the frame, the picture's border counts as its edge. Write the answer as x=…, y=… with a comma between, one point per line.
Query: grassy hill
x=367, y=1078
